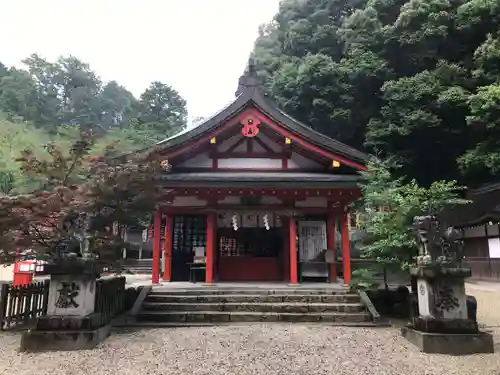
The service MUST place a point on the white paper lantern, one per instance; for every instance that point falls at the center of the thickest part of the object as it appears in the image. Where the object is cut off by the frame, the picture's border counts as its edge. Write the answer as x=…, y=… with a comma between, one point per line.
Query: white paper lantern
x=266, y=221
x=235, y=222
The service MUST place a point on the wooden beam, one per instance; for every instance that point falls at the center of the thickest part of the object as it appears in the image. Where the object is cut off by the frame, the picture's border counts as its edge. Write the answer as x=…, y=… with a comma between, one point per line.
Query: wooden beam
x=291, y=148
x=181, y=149
x=338, y=194
x=201, y=210
x=284, y=162
x=266, y=122
x=296, y=139
x=236, y=145
x=249, y=155
x=249, y=145
x=263, y=145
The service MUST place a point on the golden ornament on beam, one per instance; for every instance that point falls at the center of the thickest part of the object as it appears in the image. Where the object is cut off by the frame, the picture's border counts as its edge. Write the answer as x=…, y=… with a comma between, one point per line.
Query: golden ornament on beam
x=165, y=164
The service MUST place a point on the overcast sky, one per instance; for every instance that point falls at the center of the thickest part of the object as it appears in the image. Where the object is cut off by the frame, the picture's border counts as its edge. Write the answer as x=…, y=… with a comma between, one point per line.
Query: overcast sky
x=199, y=47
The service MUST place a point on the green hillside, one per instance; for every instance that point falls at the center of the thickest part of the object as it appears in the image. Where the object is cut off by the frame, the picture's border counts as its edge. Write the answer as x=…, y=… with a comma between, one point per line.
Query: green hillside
x=16, y=136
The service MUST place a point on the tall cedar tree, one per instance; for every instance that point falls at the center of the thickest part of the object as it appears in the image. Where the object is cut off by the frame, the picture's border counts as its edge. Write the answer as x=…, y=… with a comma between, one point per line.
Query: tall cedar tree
x=83, y=204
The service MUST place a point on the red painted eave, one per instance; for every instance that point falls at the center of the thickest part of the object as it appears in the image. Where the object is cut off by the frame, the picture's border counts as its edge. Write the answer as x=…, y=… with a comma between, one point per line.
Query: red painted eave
x=252, y=102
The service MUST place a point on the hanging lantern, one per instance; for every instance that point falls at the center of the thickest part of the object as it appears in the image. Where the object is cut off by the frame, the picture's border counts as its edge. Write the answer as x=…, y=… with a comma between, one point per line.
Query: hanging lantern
x=235, y=222
x=266, y=221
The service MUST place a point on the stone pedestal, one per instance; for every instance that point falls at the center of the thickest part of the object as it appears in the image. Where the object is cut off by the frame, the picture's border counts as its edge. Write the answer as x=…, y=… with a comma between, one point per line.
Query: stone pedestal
x=443, y=325
x=71, y=322
x=449, y=343
x=71, y=296
x=442, y=298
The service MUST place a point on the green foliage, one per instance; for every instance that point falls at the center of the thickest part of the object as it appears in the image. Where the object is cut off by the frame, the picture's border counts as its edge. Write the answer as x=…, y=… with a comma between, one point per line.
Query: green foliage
x=389, y=238
x=483, y=118
x=67, y=93
x=485, y=115
x=17, y=136
x=51, y=102
x=404, y=78
x=162, y=111
x=17, y=93
x=363, y=279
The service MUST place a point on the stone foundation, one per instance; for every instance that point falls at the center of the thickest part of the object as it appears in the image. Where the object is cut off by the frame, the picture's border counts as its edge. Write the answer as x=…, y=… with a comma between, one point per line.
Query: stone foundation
x=42, y=341
x=64, y=323
x=450, y=343
x=441, y=325
x=65, y=333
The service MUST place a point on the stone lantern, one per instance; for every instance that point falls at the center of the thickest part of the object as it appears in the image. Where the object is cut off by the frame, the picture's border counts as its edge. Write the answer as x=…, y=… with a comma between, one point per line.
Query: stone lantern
x=442, y=325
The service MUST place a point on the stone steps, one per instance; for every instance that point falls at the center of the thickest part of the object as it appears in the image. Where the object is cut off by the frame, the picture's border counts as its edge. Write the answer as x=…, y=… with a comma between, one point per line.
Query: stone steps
x=250, y=316
x=147, y=324
x=244, y=291
x=247, y=298
x=222, y=305
x=280, y=307
x=140, y=270
x=139, y=266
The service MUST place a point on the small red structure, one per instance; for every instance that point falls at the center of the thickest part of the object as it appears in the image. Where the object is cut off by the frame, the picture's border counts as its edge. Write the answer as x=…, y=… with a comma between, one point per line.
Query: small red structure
x=24, y=271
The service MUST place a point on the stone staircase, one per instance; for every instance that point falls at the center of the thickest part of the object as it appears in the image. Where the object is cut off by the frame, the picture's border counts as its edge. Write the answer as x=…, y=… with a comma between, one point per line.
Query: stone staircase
x=207, y=306
x=138, y=266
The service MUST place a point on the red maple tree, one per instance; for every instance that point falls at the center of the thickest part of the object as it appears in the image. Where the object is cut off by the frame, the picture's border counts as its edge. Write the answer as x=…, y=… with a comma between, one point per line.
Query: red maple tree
x=83, y=204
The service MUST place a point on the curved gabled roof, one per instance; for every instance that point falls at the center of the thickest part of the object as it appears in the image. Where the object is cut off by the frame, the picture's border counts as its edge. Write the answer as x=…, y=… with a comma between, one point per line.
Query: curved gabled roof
x=252, y=96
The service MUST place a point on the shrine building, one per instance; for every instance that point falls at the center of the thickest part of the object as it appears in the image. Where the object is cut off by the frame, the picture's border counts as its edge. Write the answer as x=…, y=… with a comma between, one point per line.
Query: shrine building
x=255, y=196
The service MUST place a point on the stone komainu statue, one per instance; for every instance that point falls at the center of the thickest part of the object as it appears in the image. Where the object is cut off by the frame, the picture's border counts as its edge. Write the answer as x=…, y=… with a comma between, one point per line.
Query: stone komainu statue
x=437, y=245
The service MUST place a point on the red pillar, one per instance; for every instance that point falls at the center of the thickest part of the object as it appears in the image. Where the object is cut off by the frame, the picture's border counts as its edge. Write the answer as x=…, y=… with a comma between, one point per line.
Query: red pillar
x=292, y=235
x=330, y=238
x=209, y=275
x=286, y=249
x=167, y=251
x=156, y=247
x=346, y=255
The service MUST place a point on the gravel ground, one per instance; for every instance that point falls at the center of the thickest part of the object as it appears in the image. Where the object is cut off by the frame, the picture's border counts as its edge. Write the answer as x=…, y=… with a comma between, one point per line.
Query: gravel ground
x=257, y=349
x=488, y=299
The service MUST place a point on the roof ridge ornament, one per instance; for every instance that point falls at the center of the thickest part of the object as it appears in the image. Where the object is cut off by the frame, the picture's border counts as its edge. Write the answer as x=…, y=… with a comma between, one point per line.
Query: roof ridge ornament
x=249, y=79
x=251, y=67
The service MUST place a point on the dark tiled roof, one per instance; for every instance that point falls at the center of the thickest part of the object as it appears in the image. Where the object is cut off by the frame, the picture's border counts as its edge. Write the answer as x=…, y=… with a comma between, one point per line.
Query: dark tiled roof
x=261, y=179
x=250, y=95
x=485, y=207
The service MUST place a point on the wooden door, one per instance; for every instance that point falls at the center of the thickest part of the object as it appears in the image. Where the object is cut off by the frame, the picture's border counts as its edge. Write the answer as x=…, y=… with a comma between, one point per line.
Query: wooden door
x=189, y=232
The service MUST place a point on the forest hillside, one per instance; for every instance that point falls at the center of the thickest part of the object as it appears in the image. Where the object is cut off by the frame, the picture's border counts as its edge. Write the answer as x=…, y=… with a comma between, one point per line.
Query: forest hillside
x=415, y=80
x=53, y=101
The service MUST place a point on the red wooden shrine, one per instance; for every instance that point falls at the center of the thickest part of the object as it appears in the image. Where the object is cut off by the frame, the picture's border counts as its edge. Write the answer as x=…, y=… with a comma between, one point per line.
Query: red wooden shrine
x=255, y=191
